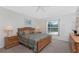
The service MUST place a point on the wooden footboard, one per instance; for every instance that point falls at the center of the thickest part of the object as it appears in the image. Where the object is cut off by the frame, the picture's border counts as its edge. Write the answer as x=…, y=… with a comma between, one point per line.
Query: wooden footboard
x=42, y=43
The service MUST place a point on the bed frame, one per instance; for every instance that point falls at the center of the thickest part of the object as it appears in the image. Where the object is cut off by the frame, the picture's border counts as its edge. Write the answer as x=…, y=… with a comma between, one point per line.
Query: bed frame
x=43, y=43
x=40, y=44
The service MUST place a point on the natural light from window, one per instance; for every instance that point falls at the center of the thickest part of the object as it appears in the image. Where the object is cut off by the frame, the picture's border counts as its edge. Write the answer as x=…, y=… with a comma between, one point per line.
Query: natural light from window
x=53, y=27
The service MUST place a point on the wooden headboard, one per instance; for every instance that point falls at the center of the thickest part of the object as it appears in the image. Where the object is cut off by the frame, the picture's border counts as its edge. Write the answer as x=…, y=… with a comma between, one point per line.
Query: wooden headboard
x=26, y=29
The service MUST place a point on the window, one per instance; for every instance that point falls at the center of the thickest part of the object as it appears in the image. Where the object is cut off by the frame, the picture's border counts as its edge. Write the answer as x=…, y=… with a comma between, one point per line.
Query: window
x=53, y=27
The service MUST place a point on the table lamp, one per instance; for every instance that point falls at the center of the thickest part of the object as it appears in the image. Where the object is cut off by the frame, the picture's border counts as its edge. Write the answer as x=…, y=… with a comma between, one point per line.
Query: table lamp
x=9, y=30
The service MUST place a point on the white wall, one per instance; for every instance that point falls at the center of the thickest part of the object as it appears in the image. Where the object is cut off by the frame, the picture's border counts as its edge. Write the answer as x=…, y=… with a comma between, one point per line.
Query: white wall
x=8, y=17
x=67, y=24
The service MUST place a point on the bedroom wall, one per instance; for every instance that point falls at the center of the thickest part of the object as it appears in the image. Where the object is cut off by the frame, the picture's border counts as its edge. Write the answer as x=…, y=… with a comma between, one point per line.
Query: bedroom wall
x=8, y=17
x=67, y=24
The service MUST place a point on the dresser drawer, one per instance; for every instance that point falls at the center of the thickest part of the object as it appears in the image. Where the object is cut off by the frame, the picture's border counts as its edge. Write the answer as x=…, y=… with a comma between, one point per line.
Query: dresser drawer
x=74, y=43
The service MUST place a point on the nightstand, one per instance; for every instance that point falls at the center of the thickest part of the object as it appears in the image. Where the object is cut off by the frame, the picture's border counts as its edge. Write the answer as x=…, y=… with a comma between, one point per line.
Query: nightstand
x=11, y=41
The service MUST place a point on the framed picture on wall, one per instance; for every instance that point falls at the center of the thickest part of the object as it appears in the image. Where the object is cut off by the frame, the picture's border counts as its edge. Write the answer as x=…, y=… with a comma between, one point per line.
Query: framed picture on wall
x=28, y=22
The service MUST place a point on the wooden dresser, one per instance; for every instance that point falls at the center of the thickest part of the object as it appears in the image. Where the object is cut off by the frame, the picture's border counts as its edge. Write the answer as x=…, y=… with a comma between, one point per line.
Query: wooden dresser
x=11, y=41
x=74, y=43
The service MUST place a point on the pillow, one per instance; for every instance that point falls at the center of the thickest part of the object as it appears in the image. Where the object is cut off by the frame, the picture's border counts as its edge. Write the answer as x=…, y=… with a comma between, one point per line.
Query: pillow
x=27, y=32
x=21, y=33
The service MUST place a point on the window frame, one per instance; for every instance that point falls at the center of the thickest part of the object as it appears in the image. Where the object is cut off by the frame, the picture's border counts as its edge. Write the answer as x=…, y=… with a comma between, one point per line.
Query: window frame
x=53, y=27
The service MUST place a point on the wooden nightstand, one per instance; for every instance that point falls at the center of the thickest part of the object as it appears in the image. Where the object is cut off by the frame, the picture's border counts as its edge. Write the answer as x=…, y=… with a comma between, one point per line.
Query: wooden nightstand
x=11, y=41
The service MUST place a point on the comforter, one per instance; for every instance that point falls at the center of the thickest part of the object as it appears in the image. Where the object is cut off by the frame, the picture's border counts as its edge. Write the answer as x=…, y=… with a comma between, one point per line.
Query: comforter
x=31, y=39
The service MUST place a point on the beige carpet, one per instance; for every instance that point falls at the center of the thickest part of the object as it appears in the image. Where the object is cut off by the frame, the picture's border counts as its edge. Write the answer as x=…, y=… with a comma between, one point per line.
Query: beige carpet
x=57, y=46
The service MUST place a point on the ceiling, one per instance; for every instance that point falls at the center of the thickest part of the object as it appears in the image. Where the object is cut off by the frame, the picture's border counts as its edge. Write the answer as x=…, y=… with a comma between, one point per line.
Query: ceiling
x=43, y=11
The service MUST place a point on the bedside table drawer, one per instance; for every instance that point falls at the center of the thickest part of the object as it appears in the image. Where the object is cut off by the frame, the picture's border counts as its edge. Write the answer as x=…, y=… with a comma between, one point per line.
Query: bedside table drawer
x=11, y=41
x=11, y=45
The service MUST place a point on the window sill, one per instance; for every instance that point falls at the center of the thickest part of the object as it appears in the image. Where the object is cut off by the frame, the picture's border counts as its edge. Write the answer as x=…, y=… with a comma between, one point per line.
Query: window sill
x=54, y=33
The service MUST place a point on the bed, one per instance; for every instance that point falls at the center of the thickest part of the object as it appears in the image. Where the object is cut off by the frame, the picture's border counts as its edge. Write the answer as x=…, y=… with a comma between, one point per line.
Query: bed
x=36, y=41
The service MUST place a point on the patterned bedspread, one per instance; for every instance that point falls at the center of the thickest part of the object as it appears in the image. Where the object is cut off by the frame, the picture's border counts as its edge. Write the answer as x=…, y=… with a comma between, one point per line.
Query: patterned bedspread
x=32, y=38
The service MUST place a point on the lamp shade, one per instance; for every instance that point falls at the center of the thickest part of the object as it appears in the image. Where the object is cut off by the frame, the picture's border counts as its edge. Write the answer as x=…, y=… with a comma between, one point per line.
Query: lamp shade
x=9, y=28
x=37, y=29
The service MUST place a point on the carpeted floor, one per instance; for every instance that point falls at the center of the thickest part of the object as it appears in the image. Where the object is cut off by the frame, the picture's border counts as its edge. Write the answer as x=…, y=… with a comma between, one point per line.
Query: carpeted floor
x=57, y=46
